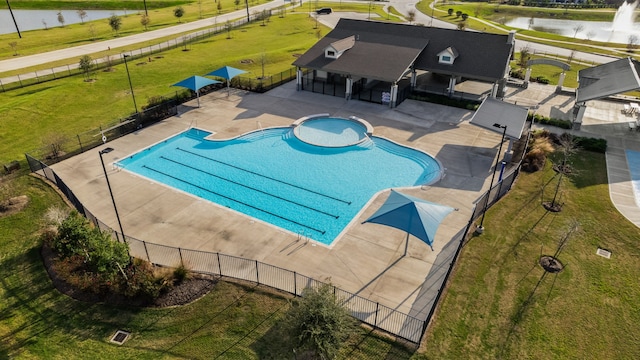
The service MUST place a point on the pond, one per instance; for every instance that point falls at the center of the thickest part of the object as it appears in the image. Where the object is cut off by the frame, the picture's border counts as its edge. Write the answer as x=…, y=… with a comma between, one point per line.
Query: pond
x=41, y=19
x=592, y=30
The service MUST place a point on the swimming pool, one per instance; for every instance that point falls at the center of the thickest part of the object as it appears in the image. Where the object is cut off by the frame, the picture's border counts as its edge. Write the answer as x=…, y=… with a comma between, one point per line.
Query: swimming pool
x=633, y=161
x=272, y=176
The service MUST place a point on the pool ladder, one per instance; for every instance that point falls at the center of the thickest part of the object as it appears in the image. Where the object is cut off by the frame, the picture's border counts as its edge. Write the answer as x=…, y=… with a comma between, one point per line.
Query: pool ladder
x=259, y=126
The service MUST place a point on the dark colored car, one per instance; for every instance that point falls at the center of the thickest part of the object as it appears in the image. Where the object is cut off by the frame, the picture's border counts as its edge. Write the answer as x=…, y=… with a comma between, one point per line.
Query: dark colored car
x=323, y=11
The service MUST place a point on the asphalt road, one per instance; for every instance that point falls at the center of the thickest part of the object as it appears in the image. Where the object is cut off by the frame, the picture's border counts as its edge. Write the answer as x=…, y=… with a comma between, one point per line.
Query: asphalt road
x=404, y=6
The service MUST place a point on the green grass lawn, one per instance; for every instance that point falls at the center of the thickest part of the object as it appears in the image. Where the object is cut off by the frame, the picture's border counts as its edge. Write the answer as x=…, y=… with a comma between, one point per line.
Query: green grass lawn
x=500, y=305
x=233, y=321
x=56, y=37
x=37, y=112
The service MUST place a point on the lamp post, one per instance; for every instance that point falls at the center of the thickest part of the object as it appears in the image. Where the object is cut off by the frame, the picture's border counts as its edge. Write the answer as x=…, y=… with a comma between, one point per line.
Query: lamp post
x=135, y=106
x=433, y=5
x=480, y=228
x=14, y=19
x=102, y=152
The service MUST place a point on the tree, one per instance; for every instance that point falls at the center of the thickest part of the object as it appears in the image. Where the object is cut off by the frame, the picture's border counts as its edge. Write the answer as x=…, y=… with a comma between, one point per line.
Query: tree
x=411, y=16
x=318, y=323
x=178, y=12
x=14, y=47
x=450, y=11
x=219, y=7
x=632, y=41
x=464, y=16
x=236, y=3
x=525, y=56
x=228, y=27
x=44, y=23
x=568, y=147
x=61, y=18
x=92, y=32
x=576, y=29
x=590, y=35
x=115, y=22
x=144, y=20
x=461, y=25
x=82, y=15
x=458, y=14
x=86, y=64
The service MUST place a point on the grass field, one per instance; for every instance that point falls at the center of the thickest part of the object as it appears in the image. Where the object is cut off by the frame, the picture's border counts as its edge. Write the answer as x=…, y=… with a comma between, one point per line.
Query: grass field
x=500, y=304
x=33, y=114
x=56, y=37
x=234, y=321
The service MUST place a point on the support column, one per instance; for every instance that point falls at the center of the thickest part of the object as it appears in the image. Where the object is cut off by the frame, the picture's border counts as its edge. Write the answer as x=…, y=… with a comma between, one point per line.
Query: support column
x=560, y=81
x=494, y=90
x=527, y=76
x=578, y=112
x=394, y=95
x=414, y=78
x=299, y=79
x=452, y=86
x=349, y=88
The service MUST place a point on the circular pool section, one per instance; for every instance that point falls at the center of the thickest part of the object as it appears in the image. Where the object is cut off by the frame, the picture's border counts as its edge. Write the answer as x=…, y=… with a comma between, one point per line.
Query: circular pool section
x=323, y=130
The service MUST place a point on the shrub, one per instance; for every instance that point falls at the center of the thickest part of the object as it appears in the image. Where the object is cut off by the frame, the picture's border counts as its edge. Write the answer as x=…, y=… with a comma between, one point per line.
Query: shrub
x=180, y=274
x=592, y=144
x=539, y=147
x=537, y=118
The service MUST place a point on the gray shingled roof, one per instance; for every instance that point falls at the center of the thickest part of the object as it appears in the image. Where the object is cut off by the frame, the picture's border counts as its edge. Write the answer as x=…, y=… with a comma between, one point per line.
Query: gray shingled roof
x=607, y=79
x=344, y=44
x=493, y=111
x=385, y=51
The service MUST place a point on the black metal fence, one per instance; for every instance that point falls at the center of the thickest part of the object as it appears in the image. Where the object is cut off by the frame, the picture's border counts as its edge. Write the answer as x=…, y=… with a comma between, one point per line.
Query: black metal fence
x=45, y=75
x=370, y=312
x=367, y=311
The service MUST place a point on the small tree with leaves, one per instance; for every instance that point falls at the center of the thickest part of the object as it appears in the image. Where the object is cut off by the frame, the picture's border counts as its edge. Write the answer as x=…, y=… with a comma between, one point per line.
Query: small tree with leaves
x=92, y=32
x=14, y=47
x=450, y=11
x=86, y=65
x=236, y=3
x=82, y=15
x=60, y=18
x=219, y=6
x=145, y=21
x=318, y=323
x=179, y=13
x=115, y=22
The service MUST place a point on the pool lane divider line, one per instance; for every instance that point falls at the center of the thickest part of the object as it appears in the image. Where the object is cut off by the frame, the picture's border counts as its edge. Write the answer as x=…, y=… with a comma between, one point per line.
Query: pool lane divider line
x=250, y=187
x=235, y=200
x=267, y=177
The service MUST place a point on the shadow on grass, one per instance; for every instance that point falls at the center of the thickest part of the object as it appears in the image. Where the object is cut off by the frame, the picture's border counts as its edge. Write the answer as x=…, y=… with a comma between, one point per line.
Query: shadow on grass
x=37, y=310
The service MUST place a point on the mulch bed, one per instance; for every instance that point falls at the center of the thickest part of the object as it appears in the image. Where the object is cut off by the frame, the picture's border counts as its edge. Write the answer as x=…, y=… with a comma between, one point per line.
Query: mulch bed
x=189, y=290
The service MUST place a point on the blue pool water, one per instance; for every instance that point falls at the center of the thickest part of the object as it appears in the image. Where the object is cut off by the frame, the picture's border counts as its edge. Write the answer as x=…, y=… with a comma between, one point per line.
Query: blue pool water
x=272, y=176
x=633, y=160
x=331, y=132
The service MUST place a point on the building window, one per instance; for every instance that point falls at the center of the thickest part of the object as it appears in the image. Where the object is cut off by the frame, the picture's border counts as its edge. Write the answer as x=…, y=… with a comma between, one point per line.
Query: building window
x=445, y=58
x=331, y=53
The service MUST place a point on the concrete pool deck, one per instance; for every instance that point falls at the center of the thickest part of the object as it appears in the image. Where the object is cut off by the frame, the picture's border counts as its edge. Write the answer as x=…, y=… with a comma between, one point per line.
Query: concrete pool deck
x=367, y=259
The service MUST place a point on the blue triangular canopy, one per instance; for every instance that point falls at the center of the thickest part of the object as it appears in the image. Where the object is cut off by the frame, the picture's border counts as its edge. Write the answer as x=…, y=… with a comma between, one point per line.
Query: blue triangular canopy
x=196, y=82
x=418, y=217
x=226, y=72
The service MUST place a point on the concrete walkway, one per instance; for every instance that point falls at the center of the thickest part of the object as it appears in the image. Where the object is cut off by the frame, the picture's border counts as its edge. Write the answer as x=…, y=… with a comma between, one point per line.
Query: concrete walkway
x=367, y=259
x=603, y=119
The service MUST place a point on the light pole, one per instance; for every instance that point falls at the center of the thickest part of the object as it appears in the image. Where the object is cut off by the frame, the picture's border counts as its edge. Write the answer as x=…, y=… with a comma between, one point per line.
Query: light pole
x=102, y=152
x=135, y=106
x=14, y=20
x=480, y=228
x=433, y=5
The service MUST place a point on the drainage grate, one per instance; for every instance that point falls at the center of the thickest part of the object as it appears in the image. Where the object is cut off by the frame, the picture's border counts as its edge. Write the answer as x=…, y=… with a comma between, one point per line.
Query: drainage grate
x=120, y=337
x=604, y=253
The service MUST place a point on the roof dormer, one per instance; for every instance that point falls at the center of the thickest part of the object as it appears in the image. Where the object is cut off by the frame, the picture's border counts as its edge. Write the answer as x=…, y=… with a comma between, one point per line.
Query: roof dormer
x=337, y=48
x=447, y=56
